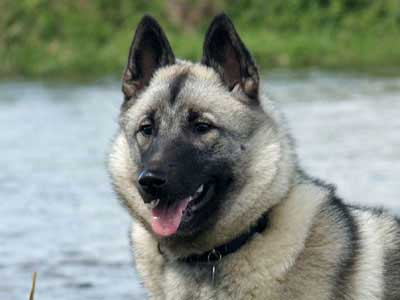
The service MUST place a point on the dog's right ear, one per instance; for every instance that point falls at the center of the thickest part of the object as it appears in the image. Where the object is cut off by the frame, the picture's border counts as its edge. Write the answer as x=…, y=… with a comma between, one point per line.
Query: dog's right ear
x=149, y=51
x=225, y=52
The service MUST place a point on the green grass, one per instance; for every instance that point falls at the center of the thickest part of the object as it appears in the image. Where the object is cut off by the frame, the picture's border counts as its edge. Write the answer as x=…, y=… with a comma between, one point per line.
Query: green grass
x=44, y=38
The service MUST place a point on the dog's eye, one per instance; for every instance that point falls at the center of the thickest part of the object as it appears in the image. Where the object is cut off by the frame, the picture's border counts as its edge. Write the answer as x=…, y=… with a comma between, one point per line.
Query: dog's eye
x=202, y=127
x=146, y=129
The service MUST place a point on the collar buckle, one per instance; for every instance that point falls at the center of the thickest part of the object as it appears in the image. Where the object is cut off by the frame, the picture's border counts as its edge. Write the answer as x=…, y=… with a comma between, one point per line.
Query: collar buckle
x=214, y=257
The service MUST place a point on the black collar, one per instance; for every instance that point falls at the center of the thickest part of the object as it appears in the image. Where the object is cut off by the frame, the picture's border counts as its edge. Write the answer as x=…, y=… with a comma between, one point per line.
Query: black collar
x=216, y=254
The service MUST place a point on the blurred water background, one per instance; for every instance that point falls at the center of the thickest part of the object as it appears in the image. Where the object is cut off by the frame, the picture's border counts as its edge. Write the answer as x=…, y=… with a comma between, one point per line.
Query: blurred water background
x=60, y=218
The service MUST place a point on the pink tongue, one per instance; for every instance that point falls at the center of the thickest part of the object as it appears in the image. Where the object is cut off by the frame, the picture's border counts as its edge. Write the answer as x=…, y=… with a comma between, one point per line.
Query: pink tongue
x=166, y=220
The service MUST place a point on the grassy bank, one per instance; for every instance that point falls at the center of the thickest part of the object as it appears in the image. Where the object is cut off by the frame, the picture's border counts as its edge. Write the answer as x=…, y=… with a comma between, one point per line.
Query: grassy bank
x=91, y=38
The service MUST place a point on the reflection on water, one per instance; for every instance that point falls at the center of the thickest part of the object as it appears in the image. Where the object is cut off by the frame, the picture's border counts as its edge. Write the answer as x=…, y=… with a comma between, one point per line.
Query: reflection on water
x=60, y=218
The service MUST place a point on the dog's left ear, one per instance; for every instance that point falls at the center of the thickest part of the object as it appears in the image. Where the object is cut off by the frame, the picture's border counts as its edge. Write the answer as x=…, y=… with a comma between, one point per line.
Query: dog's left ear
x=149, y=51
x=225, y=52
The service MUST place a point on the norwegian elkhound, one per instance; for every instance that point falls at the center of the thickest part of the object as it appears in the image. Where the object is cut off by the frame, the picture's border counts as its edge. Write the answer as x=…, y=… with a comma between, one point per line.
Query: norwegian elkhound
x=205, y=165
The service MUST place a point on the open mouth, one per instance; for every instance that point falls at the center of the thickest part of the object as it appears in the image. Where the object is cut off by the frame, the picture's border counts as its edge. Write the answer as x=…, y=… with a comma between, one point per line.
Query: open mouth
x=166, y=219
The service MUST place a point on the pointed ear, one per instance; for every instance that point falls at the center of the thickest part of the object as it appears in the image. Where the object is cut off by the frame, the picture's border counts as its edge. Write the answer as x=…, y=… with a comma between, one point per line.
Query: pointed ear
x=225, y=52
x=149, y=51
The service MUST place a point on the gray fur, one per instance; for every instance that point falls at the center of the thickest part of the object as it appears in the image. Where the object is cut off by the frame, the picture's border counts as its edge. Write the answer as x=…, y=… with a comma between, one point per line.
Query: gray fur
x=315, y=247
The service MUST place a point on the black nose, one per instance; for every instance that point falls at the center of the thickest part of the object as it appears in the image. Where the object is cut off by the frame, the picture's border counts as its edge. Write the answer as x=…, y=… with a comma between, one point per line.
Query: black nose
x=151, y=181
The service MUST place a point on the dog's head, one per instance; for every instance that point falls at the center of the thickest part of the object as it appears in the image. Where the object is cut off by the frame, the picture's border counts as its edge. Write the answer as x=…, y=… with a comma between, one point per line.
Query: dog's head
x=197, y=153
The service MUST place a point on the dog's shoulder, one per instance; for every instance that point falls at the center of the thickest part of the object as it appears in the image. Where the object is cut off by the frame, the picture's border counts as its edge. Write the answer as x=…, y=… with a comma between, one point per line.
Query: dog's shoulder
x=369, y=264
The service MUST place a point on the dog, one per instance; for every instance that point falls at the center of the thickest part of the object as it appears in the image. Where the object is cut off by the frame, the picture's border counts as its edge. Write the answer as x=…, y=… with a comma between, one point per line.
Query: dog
x=205, y=165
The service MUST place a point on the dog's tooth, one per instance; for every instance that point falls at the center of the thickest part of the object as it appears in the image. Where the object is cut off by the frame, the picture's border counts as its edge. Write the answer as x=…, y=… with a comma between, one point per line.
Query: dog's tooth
x=190, y=198
x=200, y=189
x=153, y=203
